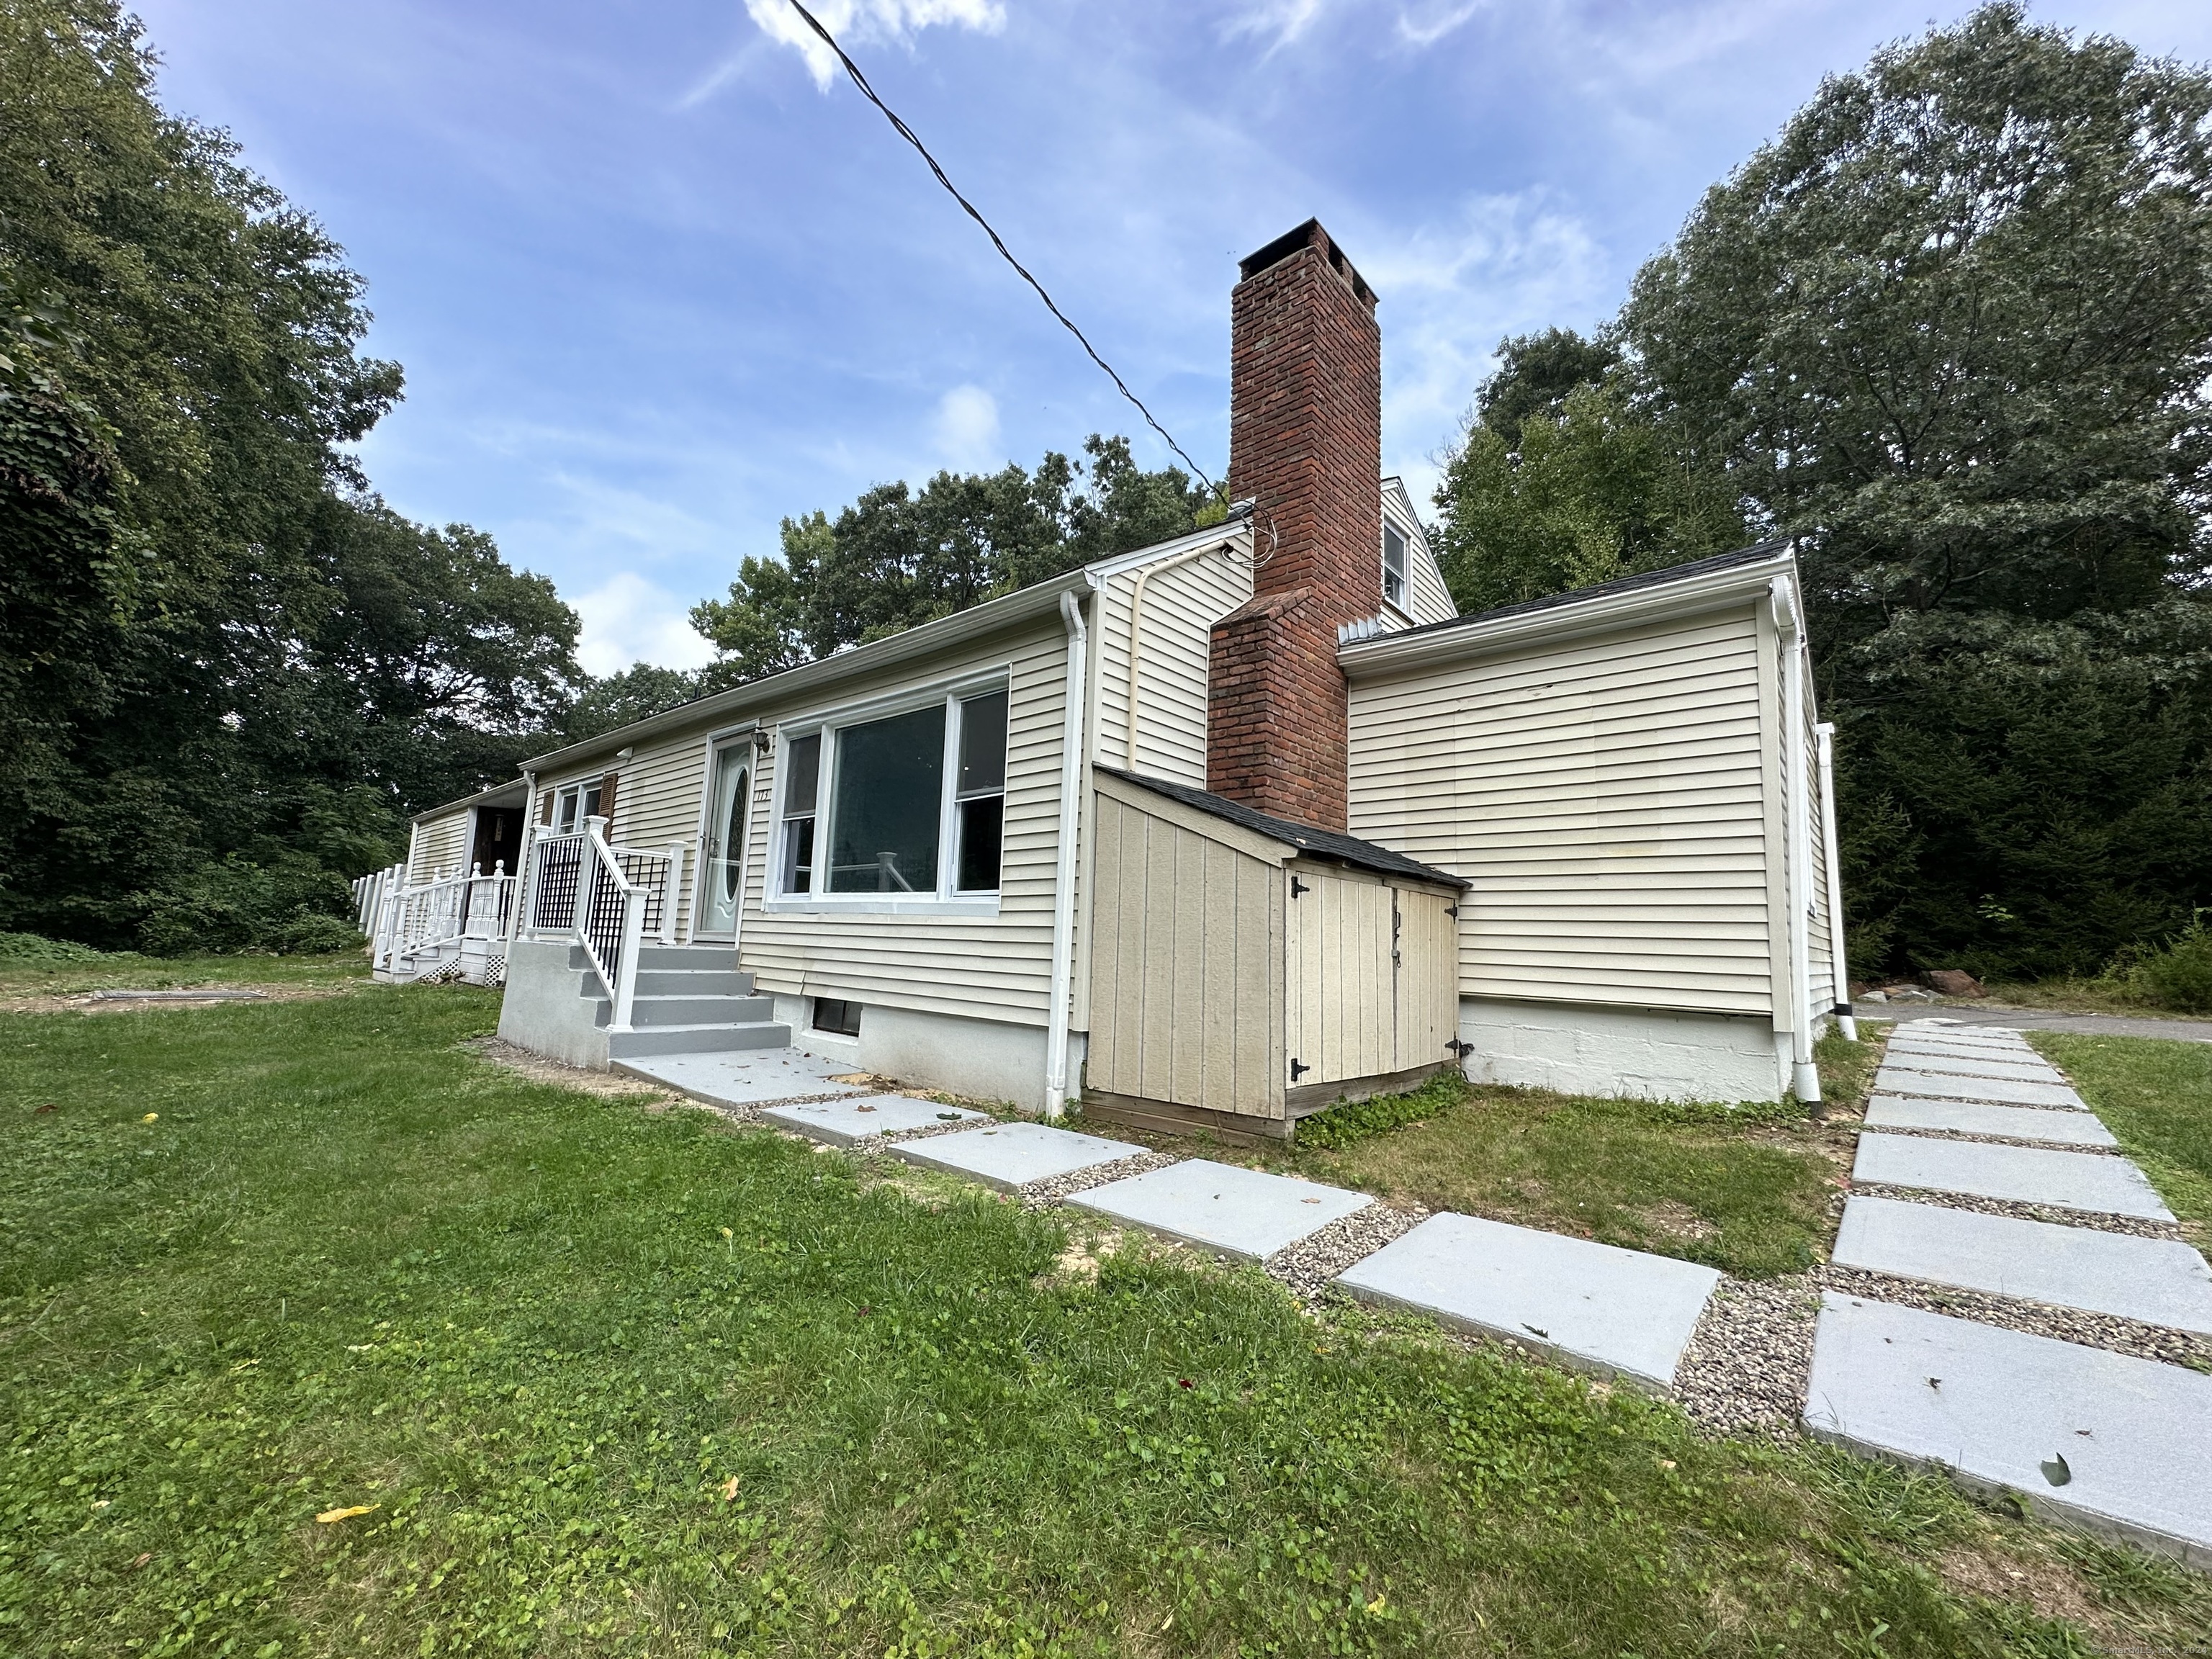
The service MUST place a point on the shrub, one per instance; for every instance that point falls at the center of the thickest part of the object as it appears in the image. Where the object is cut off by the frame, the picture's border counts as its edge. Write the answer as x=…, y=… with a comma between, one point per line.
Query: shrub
x=2176, y=975
x=30, y=947
x=291, y=904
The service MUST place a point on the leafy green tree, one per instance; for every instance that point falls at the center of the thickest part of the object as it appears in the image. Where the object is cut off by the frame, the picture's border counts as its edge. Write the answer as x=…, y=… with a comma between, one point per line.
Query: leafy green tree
x=217, y=642
x=897, y=557
x=1567, y=498
x=639, y=692
x=1953, y=330
x=1536, y=373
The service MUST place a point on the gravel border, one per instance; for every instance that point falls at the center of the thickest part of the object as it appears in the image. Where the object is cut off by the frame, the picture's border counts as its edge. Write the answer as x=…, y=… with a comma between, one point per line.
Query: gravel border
x=2097, y=1220
x=2090, y=1330
x=1308, y=1266
x=1749, y=1363
x=1043, y=1195
x=1996, y=1141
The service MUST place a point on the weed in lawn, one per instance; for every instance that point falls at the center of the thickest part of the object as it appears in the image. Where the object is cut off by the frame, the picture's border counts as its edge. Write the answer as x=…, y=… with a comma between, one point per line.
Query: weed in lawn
x=601, y=1380
x=1352, y=1121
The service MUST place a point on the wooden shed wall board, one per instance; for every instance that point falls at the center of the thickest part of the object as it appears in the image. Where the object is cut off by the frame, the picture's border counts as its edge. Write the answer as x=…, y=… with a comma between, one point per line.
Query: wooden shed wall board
x=997, y=968
x=1181, y=607
x=1609, y=798
x=437, y=846
x=1186, y=964
x=1342, y=997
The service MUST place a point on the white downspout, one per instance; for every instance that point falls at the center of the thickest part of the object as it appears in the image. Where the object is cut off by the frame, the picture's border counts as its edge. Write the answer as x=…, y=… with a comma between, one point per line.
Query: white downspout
x=1807, y=1075
x=1137, y=634
x=1839, y=965
x=1063, y=889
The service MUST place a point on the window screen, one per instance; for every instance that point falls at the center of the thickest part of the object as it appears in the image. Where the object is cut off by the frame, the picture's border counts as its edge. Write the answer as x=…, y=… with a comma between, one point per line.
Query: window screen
x=980, y=817
x=802, y=770
x=1393, y=565
x=885, y=804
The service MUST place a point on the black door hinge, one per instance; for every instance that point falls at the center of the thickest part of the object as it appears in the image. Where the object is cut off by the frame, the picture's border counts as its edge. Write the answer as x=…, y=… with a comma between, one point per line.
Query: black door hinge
x=1298, y=887
x=1462, y=1049
x=1298, y=1067
x=1452, y=910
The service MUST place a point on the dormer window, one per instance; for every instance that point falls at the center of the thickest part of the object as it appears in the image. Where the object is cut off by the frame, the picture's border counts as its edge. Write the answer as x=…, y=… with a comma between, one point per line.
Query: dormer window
x=1393, y=565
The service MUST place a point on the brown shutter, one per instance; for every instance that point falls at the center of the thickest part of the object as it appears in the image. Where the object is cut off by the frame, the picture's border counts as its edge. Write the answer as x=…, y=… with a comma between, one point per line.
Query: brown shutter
x=546, y=808
x=607, y=799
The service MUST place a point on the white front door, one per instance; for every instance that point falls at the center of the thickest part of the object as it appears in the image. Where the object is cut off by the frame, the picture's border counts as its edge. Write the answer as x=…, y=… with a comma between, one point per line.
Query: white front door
x=722, y=851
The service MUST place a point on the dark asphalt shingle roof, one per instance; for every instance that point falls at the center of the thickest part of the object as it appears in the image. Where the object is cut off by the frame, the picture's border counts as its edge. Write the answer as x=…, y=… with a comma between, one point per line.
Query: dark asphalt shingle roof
x=1320, y=844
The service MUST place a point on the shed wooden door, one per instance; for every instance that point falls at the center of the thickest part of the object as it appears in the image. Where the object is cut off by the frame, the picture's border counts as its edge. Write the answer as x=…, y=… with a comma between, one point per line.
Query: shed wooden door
x=1342, y=984
x=1373, y=977
x=1428, y=976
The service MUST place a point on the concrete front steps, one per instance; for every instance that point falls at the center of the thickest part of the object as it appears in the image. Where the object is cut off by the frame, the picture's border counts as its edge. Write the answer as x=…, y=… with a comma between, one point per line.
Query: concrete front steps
x=690, y=1001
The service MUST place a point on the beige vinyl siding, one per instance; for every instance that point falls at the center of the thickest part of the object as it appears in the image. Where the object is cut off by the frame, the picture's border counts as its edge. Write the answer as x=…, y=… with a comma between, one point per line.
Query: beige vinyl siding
x=1821, y=965
x=1186, y=963
x=994, y=967
x=1428, y=598
x=657, y=805
x=1182, y=604
x=437, y=846
x=1603, y=794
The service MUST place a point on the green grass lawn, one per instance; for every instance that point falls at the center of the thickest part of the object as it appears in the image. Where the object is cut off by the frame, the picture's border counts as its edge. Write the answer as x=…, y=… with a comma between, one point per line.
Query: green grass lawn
x=129, y=971
x=2156, y=1097
x=1747, y=1188
x=607, y=1378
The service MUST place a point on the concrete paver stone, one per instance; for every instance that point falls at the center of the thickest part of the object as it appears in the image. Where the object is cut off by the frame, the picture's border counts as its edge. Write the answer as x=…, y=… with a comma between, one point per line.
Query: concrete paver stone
x=746, y=1076
x=2102, y=1440
x=2014, y=1050
x=2025, y=1174
x=2159, y=1281
x=1620, y=1312
x=1974, y=1066
x=1008, y=1156
x=1969, y=1117
x=1237, y=1211
x=1895, y=1079
x=841, y=1122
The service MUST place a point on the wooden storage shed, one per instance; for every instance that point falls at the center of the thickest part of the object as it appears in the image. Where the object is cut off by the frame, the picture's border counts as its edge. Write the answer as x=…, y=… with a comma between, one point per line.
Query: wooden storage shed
x=1246, y=971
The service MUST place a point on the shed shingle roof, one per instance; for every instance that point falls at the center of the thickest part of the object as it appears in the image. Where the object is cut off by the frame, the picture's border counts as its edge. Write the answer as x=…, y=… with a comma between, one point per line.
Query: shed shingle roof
x=1316, y=843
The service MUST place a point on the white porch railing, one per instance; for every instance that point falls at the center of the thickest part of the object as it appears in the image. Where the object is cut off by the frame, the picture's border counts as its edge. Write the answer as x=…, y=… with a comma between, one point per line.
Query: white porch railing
x=455, y=922
x=608, y=899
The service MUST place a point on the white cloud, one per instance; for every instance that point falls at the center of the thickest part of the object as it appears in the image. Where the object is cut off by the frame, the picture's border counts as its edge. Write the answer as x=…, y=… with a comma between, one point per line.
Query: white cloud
x=1422, y=26
x=628, y=619
x=858, y=20
x=1505, y=265
x=966, y=428
x=1282, y=20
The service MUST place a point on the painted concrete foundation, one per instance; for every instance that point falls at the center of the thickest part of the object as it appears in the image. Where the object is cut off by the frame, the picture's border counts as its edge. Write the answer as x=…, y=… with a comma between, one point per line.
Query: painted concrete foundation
x=544, y=1010
x=1642, y=1053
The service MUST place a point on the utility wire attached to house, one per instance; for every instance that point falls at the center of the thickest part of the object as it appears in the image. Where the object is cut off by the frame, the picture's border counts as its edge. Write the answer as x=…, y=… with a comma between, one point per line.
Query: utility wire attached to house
x=997, y=241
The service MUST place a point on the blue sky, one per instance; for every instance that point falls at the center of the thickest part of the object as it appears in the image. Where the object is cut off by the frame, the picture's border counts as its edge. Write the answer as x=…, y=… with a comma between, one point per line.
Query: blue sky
x=658, y=282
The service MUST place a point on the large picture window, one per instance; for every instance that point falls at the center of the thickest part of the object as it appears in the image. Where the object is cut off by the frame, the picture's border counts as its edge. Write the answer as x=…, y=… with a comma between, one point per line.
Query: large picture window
x=910, y=806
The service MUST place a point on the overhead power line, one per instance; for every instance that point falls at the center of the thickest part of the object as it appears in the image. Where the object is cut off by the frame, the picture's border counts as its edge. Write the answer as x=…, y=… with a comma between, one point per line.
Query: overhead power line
x=997, y=241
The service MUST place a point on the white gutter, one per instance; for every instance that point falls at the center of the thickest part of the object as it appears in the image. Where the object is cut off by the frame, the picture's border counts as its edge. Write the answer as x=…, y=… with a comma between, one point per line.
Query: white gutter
x=1063, y=889
x=1654, y=601
x=1137, y=634
x=1807, y=1075
x=1839, y=966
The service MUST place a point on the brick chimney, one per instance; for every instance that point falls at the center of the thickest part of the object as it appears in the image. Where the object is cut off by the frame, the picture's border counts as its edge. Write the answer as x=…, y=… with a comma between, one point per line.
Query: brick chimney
x=1305, y=445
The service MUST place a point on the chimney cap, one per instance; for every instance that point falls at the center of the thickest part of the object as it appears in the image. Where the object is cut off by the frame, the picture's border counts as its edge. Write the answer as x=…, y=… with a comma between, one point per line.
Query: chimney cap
x=1307, y=235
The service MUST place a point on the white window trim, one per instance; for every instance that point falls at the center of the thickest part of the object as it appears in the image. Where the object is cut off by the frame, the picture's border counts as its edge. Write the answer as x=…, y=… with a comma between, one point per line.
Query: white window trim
x=827, y=723
x=1402, y=609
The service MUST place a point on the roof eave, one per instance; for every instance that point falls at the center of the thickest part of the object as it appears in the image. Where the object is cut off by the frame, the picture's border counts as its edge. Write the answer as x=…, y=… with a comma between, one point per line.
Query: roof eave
x=973, y=622
x=1601, y=613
